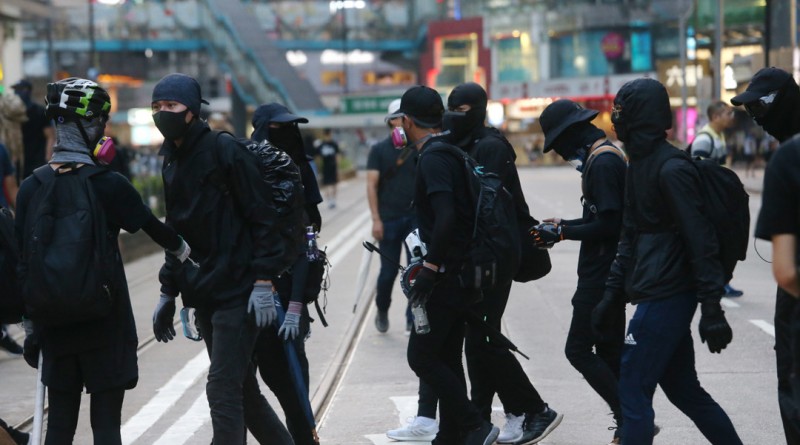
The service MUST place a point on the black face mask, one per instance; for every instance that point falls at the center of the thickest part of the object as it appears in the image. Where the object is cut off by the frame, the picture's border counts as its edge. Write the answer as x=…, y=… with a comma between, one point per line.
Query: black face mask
x=461, y=124
x=287, y=139
x=173, y=126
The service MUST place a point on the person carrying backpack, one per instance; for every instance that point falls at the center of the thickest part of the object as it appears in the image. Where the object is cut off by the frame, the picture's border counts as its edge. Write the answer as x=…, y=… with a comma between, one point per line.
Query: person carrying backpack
x=667, y=262
x=86, y=333
x=493, y=368
x=445, y=213
x=275, y=123
x=772, y=100
x=237, y=252
x=568, y=130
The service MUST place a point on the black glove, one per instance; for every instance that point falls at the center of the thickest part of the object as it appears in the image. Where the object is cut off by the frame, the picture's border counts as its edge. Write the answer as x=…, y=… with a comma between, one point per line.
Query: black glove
x=423, y=286
x=604, y=316
x=30, y=349
x=163, y=317
x=713, y=326
x=545, y=235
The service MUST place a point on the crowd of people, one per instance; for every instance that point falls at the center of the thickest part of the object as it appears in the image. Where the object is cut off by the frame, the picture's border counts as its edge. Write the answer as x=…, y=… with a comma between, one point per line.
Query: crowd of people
x=245, y=274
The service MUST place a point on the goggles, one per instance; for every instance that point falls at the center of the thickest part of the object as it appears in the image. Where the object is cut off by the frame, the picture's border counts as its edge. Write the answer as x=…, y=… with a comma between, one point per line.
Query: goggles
x=760, y=107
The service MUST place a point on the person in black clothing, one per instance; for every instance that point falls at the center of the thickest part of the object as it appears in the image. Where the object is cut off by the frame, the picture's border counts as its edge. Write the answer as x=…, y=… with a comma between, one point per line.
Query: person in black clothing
x=444, y=213
x=390, y=192
x=237, y=255
x=99, y=355
x=771, y=99
x=666, y=238
x=37, y=132
x=274, y=122
x=328, y=150
x=493, y=368
x=568, y=130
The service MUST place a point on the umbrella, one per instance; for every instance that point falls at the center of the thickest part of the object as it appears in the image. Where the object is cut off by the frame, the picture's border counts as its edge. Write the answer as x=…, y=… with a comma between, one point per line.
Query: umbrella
x=296, y=372
x=38, y=413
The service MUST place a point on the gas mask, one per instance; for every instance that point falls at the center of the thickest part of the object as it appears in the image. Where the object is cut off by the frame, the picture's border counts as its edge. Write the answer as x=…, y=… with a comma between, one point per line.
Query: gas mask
x=105, y=150
x=399, y=138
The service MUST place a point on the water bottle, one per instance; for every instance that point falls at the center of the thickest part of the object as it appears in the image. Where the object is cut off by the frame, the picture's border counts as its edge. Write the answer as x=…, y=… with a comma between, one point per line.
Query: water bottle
x=311, y=240
x=421, y=325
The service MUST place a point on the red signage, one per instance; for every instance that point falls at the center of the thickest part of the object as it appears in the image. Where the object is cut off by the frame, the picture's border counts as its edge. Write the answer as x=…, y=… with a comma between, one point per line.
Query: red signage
x=613, y=45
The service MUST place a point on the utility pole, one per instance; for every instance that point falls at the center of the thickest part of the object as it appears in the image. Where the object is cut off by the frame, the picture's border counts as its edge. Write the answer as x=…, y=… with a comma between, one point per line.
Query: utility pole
x=683, y=18
x=93, y=70
x=719, y=35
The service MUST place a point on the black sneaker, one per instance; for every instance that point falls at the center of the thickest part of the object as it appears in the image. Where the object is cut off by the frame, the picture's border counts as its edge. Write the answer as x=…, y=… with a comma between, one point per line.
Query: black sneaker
x=382, y=321
x=10, y=345
x=537, y=426
x=486, y=434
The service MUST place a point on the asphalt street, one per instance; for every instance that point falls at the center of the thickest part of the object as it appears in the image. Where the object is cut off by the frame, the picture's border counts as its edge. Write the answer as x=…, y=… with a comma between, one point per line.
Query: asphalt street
x=361, y=385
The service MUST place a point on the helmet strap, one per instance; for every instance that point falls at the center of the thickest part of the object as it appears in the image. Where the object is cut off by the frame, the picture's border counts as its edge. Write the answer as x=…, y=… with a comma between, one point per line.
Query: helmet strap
x=85, y=136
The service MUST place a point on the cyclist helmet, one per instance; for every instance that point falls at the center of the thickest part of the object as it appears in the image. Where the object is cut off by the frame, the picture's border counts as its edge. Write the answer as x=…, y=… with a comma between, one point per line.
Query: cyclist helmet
x=75, y=98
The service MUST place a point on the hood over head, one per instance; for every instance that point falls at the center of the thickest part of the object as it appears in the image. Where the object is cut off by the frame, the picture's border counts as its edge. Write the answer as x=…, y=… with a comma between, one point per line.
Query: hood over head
x=641, y=116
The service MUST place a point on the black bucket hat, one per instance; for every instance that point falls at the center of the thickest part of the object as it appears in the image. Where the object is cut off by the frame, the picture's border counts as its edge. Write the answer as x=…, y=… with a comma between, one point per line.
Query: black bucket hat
x=560, y=115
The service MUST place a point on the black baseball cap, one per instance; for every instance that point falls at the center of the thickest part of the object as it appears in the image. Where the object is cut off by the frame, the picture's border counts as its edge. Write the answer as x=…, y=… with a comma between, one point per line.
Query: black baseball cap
x=423, y=105
x=765, y=81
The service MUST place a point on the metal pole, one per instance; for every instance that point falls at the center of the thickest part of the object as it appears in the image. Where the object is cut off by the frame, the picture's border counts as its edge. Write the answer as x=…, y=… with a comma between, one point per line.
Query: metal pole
x=92, y=55
x=682, y=49
x=767, y=31
x=718, y=44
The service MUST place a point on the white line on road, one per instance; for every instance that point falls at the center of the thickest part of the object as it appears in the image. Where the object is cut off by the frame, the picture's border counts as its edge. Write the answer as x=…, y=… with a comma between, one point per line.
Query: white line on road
x=181, y=431
x=345, y=236
x=728, y=303
x=165, y=398
x=764, y=326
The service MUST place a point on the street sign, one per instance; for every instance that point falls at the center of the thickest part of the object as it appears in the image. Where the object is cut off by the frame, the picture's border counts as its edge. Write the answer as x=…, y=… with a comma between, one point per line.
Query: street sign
x=367, y=104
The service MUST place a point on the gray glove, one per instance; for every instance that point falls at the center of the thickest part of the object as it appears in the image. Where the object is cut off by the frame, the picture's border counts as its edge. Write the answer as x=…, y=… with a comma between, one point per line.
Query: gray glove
x=181, y=253
x=163, y=318
x=290, y=328
x=262, y=305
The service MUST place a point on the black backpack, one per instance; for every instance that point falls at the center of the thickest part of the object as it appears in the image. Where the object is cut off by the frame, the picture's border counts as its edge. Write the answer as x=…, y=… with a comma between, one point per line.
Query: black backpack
x=283, y=176
x=493, y=255
x=69, y=255
x=11, y=305
x=727, y=208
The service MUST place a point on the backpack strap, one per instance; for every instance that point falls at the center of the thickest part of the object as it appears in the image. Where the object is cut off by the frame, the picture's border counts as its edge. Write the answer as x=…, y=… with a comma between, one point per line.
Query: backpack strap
x=605, y=147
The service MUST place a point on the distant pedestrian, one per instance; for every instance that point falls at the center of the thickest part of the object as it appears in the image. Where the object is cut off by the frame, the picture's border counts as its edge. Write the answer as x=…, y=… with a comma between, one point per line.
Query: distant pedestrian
x=38, y=134
x=772, y=99
x=391, y=172
x=13, y=113
x=569, y=132
x=328, y=150
x=667, y=262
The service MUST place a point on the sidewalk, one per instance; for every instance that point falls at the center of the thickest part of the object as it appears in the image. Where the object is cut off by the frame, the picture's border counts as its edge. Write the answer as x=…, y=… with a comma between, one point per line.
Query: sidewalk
x=753, y=184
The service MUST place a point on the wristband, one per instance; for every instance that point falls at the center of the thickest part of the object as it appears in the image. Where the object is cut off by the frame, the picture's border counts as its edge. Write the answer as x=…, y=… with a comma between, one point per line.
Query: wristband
x=430, y=266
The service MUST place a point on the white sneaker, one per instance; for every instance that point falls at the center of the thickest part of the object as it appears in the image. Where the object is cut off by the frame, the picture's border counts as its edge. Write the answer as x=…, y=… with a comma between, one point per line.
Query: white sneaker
x=512, y=430
x=418, y=429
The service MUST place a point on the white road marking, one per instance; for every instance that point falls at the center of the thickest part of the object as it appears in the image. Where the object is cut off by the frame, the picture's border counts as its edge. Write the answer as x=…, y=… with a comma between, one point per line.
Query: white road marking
x=764, y=326
x=727, y=302
x=165, y=398
x=198, y=414
x=181, y=431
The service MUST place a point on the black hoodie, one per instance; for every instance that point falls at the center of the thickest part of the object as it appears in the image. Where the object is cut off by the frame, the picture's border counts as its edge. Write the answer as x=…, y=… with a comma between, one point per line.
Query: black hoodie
x=668, y=246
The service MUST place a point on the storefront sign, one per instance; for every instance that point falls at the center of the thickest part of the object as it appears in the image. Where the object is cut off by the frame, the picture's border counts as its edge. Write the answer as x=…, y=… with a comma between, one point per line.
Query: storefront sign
x=366, y=104
x=613, y=45
x=583, y=87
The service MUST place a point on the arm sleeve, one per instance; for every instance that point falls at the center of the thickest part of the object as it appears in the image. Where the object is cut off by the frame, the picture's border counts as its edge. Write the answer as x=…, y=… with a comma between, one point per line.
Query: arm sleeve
x=779, y=203
x=681, y=186
x=441, y=239
x=619, y=267
x=253, y=198
x=606, y=225
x=573, y=222
x=164, y=235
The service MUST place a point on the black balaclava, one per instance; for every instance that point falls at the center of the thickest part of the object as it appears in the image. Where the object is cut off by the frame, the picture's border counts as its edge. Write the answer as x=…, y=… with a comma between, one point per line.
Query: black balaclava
x=576, y=137
x=782, y=121
x=462, y=124
x=288, y=139
x=641, y=116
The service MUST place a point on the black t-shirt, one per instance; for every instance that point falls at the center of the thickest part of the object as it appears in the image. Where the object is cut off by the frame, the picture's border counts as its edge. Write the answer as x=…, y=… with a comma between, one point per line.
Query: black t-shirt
x=396, y=183
x=33, y=138
x=780, y=199
x=604, y=183
x=439, y=171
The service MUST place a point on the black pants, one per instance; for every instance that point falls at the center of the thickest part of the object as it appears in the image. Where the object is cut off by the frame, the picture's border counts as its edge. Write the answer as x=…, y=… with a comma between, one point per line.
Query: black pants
x=394, y=232
x=785, y=306
x=436, y=359
x=427, y=402
x=273, y=366
x=598, y=362
x=230, y=335
x=105, y=415
x=494, y=369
